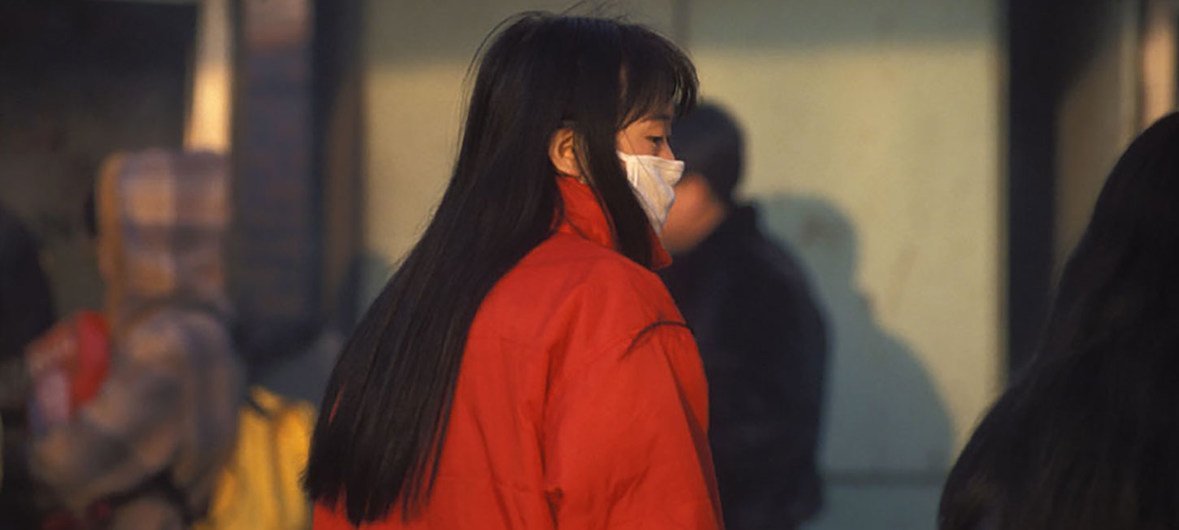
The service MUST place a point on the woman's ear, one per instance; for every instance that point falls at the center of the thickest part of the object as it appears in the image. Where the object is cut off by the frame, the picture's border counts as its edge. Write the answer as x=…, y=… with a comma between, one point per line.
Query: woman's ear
x=562, y=153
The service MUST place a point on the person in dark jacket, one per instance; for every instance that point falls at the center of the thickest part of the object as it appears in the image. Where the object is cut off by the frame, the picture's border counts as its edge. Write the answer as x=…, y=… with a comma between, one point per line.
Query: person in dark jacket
x=26, y=310
x=761, y=333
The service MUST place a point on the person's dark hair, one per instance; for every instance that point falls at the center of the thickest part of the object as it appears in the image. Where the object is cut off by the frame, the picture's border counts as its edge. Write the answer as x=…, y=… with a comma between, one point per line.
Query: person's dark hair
x=383, y=418
x=90, y=213
x=1086, y=437
x=711, y=144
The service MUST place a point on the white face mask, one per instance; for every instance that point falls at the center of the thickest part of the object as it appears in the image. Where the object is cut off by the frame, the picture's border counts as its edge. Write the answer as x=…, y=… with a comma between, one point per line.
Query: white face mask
x=653, y=180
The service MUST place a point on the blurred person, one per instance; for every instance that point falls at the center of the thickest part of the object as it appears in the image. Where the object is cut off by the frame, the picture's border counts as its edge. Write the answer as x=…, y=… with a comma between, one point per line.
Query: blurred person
x=1085, y=437
x=26, y=311
x=524, y=367
x=145, y=451
x=761, y=333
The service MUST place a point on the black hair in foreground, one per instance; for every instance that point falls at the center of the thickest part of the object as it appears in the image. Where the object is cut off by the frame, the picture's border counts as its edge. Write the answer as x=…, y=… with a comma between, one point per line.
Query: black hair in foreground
x=382, y=424
x=1087, y=437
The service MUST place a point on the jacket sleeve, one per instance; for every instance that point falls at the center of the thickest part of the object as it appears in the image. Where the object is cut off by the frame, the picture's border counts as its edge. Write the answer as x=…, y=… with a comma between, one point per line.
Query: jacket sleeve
x=626, y=438
x=768, y=390
x=130, y=431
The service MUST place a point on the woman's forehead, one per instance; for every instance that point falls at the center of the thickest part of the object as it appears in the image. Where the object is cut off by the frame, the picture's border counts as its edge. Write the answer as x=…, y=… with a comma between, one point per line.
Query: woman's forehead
x=662, y=113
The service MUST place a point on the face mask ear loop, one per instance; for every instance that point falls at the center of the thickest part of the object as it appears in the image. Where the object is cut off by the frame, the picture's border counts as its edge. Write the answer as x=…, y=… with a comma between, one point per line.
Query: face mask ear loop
x=638, y=158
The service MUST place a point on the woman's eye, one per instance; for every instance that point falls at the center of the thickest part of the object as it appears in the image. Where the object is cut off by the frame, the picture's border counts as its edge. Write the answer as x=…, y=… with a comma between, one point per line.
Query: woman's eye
x=657, y=140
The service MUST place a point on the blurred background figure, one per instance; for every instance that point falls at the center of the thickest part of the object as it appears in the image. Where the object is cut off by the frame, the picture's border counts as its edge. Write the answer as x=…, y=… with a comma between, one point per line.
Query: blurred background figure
x=84, y=79
x=135, y=410
x=760, y=330
x=1085, y=437
x=146, y=449
x=26, y=311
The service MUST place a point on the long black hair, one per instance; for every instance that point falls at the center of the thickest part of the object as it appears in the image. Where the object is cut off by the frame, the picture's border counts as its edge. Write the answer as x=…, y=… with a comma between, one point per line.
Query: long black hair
x=383, y=419
x=1087, y=437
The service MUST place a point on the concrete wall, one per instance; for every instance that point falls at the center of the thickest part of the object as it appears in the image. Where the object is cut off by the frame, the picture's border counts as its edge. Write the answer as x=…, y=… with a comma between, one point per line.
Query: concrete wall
x=875, y=146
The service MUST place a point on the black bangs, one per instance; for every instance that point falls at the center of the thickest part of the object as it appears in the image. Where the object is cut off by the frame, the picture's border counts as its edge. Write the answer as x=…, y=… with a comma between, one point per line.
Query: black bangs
x=655, y=74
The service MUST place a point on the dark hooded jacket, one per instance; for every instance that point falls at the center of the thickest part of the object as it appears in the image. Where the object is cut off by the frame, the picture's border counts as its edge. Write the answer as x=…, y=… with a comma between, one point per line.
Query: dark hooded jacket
x=764, y=344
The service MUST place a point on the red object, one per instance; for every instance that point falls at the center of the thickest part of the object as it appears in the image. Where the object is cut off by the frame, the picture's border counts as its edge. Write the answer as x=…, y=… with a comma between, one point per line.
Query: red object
x=568, y=414
x=87, y=336
x=93, y=360
x=68, y=365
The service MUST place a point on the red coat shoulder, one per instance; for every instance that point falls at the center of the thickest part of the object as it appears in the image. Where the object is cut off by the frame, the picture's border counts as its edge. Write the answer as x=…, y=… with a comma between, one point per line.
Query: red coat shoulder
x=591, y=295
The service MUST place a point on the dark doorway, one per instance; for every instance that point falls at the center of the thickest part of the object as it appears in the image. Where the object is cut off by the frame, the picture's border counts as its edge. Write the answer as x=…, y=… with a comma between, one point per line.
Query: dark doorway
x=1071, y=111
x=79, y=81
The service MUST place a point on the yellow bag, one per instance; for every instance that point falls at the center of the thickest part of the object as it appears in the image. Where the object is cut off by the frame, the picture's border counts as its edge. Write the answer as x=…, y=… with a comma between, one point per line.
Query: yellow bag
x=259, y=489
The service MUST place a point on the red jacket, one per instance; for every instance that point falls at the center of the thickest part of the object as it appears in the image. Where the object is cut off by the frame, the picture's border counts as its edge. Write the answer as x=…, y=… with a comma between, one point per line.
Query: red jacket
x=581, y=402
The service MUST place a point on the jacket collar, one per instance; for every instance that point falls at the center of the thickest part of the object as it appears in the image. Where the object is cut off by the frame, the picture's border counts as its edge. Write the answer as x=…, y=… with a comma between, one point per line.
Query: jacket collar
x=585, y=218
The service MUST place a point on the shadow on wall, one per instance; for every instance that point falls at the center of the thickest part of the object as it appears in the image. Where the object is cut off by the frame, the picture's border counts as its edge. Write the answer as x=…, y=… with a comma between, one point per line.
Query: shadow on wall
x=884, y=421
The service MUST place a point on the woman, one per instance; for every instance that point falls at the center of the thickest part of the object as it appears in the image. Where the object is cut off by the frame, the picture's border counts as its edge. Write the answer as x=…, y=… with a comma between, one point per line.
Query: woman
x=524, y=368
x=1088, y=436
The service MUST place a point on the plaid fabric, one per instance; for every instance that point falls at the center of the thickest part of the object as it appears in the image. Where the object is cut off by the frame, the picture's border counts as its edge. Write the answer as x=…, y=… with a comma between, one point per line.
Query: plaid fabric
x=172, y=213
x=169, y=405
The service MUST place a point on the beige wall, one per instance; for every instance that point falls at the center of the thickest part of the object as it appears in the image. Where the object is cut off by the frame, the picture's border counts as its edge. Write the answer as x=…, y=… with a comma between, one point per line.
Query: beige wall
x=874, y=149
x=895, y=122
x=417, y=55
